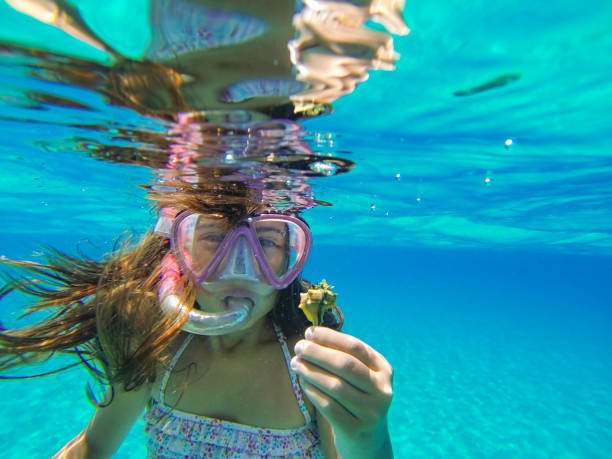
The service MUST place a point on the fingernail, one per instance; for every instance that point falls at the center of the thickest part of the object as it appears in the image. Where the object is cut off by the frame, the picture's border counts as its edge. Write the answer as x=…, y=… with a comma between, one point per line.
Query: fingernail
x=299, y=347
x=309, y=333
x=294, y=363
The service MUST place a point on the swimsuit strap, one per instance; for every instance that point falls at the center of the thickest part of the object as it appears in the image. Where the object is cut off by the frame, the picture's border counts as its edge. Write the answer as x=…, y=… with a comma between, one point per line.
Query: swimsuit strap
x=297, y=391
x=166, y=377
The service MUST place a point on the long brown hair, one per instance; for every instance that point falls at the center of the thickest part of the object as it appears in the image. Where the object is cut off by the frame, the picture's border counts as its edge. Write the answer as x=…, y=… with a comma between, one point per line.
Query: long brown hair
x=103, y=311
x=107, y=312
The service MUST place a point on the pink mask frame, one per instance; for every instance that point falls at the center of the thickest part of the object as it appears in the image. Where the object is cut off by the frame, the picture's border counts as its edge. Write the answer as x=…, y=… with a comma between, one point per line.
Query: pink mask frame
x=244, y=228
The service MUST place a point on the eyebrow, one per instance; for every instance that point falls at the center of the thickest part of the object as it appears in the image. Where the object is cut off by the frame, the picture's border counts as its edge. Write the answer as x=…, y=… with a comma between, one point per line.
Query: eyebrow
x=208, y=225
x=271, y=229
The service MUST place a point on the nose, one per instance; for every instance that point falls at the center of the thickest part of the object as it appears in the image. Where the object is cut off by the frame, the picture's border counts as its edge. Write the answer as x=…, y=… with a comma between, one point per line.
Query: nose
x=240, y=257
x=240, y=262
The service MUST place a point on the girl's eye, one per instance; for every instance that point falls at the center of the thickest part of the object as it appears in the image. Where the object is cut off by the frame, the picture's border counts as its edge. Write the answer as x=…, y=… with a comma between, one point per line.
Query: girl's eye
x=268, y=243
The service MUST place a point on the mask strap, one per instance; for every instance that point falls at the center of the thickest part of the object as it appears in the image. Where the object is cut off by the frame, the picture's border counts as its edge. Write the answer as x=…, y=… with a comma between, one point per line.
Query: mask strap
x=164, y=223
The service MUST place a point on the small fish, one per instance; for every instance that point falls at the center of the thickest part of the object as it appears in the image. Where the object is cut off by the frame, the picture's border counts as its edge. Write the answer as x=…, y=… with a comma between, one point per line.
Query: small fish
x=502, y=80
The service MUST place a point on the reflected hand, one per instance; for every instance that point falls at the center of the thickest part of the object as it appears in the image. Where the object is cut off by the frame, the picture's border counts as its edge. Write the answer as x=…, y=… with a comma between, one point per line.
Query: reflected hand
x=64, y=16
x=334, y=49
x=350, y=384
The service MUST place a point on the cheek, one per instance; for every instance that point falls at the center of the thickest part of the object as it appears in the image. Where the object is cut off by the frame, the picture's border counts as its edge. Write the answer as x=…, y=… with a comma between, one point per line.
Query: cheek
x=276, y=260
x=277, y=264
x=204, y=298
x=201, y=256
x=267, y=302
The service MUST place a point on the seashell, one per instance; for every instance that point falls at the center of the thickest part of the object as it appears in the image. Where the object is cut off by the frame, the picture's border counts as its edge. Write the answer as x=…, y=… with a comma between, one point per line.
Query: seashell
x=316, y=301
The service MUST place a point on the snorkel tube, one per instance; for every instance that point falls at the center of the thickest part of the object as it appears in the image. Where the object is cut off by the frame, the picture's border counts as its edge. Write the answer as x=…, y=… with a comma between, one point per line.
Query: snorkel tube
x=198, y=322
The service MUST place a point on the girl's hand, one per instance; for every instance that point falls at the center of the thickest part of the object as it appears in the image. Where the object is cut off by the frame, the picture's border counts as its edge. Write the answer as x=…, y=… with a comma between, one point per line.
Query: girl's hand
x=351, y=385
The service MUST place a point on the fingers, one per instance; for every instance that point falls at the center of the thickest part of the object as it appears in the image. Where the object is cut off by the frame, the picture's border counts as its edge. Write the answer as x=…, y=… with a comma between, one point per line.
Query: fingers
x=389, y=14
x=347, y=380
x=334, y=412
x=338, y=398
x=332, y=394
x=350, y=345
x=337, y=362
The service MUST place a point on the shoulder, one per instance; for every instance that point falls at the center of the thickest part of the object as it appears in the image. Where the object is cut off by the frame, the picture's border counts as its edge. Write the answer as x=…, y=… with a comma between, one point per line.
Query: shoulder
x=166, y=362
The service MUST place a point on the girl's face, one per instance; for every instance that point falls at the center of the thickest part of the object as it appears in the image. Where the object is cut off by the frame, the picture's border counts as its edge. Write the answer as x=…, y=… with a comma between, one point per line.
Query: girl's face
x=238, y=266
x=227, y=285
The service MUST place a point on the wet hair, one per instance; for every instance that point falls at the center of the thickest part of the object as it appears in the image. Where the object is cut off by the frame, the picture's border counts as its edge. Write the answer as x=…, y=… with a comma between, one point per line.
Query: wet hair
x=107, y=312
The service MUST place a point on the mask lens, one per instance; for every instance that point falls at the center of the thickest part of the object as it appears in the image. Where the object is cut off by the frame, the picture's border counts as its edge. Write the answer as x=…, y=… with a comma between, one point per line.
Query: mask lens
x=198, y=238
x=283, y=243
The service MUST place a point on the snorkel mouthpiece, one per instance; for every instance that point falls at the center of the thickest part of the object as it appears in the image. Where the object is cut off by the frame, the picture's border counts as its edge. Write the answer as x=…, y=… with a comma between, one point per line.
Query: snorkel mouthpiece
x=210, y=323
x=236, y=311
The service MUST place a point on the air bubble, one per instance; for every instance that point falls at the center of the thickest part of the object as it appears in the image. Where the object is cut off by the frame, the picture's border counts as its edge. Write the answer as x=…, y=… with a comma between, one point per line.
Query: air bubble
x=229, y=157
x=322, y=168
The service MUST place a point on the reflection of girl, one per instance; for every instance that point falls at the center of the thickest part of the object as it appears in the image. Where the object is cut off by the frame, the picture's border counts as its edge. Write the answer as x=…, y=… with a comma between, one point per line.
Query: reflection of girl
x=224, y=387
x=209, y=55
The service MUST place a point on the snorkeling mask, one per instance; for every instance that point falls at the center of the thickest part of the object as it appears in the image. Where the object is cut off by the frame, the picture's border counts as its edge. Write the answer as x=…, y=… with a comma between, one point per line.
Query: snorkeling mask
x=268, y=249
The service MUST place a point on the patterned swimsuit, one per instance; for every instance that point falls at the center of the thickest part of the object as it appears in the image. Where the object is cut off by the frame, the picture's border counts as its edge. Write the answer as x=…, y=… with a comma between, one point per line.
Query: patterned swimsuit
x=174, y=434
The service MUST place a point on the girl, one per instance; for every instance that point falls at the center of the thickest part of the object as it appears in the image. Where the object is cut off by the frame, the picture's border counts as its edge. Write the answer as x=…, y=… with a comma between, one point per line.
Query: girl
x=196, y=324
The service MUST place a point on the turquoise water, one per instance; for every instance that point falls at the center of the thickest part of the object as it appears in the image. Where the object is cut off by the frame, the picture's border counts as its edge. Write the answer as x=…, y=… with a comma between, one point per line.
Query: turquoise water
x=480, y=271
x=496, y=354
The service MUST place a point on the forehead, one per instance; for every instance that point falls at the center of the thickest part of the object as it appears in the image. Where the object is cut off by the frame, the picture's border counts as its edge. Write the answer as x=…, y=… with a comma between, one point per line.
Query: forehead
x=203, y=221
x=271, y=224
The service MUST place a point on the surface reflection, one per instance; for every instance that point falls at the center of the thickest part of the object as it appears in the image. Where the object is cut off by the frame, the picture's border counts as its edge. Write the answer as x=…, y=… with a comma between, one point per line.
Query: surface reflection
x=274, y=59
x=272, y=160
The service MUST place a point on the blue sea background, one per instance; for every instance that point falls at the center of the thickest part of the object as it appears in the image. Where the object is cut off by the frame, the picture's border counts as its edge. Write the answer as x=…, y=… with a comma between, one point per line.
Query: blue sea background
x=481, y=271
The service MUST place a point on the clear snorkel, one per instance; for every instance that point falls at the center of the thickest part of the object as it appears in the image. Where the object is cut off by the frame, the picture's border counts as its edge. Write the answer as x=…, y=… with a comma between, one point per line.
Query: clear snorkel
x=208, y=323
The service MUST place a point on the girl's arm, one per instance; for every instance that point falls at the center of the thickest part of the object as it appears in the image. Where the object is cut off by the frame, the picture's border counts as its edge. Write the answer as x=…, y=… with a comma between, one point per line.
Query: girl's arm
x=108, y=426
x=350, y=385
x=330, y=450
x=326, y=436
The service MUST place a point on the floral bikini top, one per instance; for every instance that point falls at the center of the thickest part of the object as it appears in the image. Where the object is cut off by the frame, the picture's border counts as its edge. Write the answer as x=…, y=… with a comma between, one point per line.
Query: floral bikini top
x=174, y=434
